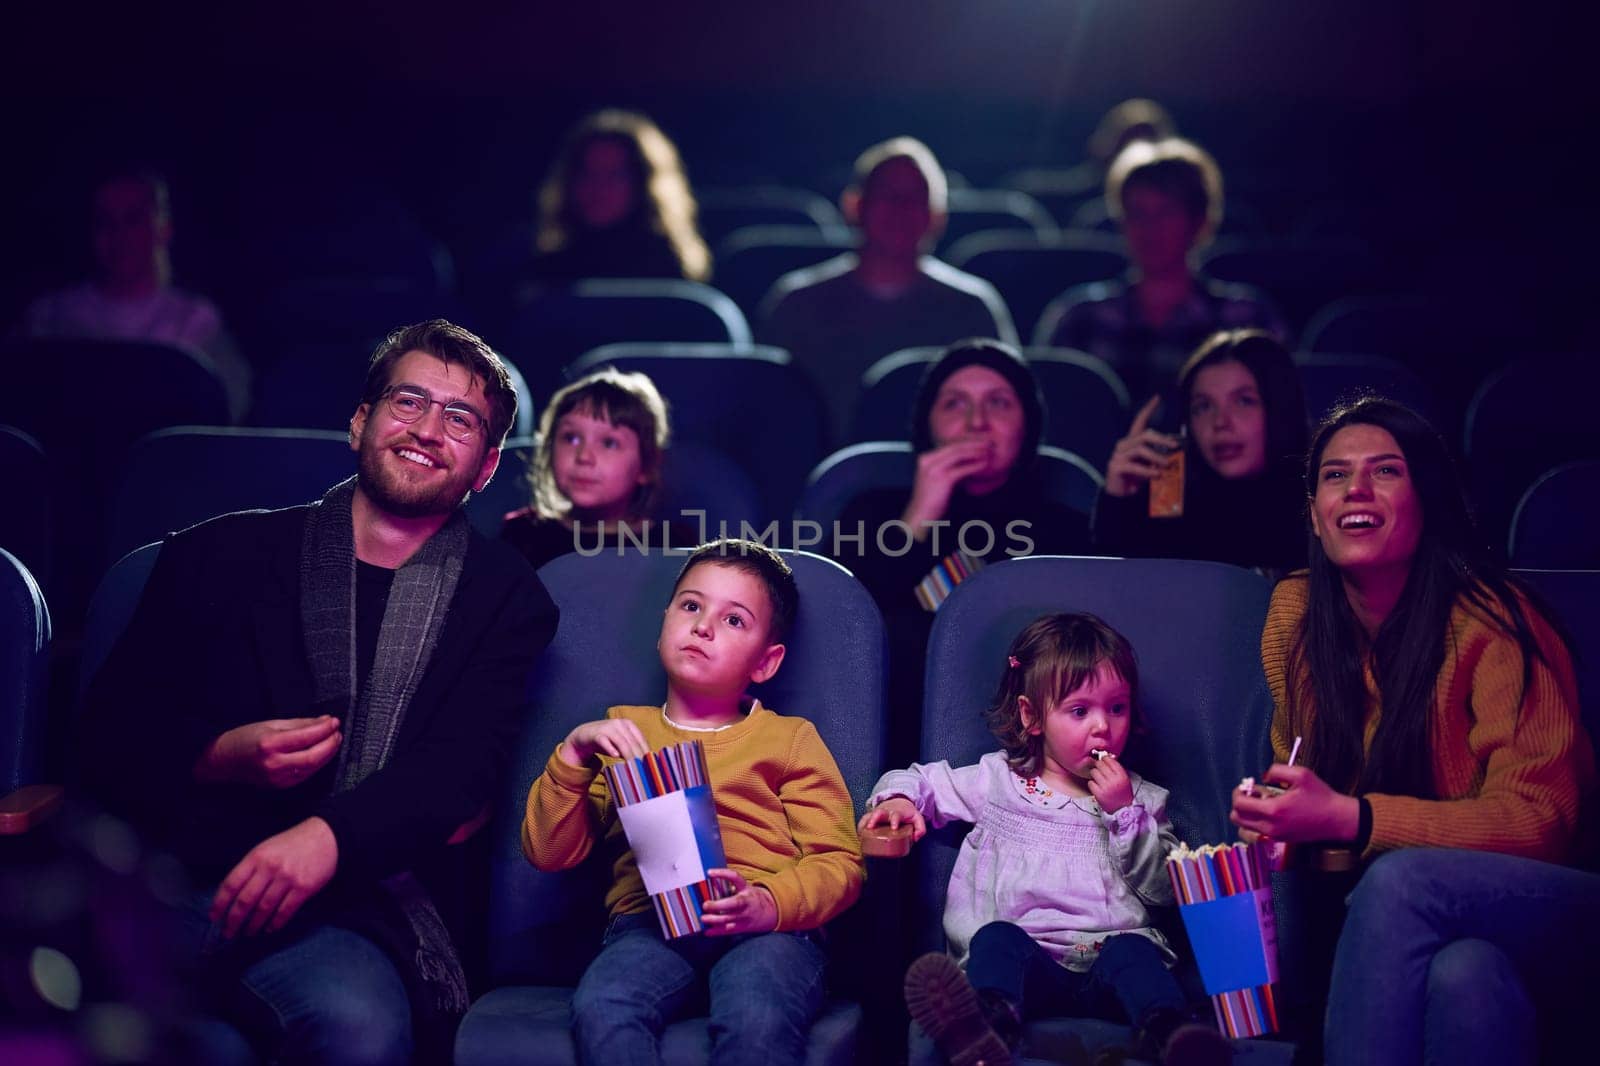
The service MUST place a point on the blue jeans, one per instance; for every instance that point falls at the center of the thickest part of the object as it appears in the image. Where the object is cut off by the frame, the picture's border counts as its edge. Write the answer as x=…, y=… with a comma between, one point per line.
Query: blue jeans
x=1444, y=953
x=763, y=991
x=310, y=993
x=1126, y=982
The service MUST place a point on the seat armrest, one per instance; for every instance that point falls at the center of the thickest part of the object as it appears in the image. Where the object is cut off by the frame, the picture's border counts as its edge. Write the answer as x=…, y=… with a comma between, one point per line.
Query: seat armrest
x=27, y=807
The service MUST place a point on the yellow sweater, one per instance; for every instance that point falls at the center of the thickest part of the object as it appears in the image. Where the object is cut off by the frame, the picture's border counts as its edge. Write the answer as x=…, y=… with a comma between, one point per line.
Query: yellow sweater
x=1512, y=776
x=787, y=820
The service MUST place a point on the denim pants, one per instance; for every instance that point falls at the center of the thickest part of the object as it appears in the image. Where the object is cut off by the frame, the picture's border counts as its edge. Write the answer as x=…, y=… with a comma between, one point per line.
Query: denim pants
x=763, y=991
x=1126, y=982
x=1445, y=952
x=310, y=993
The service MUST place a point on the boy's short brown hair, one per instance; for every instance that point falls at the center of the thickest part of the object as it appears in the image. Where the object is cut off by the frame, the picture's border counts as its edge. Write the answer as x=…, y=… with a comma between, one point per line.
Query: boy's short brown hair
x=760, y=562
x=1178, y=168
x=917, y=154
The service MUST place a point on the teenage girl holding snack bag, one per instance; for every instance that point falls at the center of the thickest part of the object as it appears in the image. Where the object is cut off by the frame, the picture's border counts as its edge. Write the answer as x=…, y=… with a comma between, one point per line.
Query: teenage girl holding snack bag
x=1227, y=487
x=1047, y=905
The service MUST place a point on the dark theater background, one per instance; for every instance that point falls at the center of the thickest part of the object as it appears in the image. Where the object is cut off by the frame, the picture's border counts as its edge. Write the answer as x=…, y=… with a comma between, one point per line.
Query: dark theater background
x=1433, y=153
x=1436, y=131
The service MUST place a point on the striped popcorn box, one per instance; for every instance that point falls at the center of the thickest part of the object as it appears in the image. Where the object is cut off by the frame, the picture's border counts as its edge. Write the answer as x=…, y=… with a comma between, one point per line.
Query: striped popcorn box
x=942, y=580
x=664, y=801
x=1225, y=898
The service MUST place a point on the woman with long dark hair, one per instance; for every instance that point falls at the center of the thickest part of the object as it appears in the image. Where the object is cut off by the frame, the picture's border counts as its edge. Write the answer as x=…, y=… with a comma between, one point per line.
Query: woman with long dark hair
x=1244, y=417
x=1437, y=713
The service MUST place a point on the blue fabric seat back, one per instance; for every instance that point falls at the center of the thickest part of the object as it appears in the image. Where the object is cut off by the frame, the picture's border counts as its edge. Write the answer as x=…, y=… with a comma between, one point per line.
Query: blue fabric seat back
x=557, y=325
x=1329, y=377
x=318, y=224
x=24, y=644
x=694, y=477
x=133, y=388
x=1031, y=270
x=1086, y=401
x=861, y=468
x=972, y=211
x=546, y=927
x=1239, y=218
x=355, y=311
x=1573, y=596
x=750, y=260
x=1059, y=191
x=1407, y=328
x=1298, y=276
x=722, y=212
x=1526, y=418
x=751, y=403
x=112, y=607
x=1205, y=707
x=174, y=478
x=1557, y=523
x=25, y=522
x=311, y=384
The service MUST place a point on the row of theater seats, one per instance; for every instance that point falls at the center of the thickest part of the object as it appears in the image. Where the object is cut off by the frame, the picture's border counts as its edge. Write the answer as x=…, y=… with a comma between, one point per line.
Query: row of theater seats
x=545, y=329
x=177, y=477
x=85, y=404
x=173, y=478
x=318, y=362
x=1195, y=627
x=1031, y=271
x=372, y=236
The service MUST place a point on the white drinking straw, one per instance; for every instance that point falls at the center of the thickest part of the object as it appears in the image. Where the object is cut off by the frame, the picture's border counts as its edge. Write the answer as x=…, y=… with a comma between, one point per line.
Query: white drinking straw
x=1294, y=751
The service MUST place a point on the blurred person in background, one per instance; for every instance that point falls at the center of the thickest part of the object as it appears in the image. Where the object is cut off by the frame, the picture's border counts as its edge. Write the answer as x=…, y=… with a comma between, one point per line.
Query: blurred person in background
x=841, y=316
x=1167, y=198
x=131, y=296
x=617, y=204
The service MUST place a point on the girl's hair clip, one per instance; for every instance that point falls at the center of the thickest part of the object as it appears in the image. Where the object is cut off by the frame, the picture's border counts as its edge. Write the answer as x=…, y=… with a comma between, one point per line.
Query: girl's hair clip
x=1014, y=661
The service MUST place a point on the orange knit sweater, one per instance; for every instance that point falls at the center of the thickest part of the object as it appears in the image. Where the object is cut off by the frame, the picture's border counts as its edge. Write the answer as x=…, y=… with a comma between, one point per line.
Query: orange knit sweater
x=1512, y=775
x=787, y=820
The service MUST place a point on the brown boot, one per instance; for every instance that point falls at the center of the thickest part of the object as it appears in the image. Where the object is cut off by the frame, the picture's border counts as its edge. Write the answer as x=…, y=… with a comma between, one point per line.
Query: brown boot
x=943, y=1002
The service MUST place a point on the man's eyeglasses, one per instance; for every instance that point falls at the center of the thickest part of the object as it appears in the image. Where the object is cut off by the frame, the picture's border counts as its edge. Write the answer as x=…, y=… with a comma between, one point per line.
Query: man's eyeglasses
x=407, y=403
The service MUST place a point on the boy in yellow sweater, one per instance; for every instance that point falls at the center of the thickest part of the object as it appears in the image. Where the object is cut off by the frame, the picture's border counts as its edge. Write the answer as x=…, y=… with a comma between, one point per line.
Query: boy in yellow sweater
x=786, y=818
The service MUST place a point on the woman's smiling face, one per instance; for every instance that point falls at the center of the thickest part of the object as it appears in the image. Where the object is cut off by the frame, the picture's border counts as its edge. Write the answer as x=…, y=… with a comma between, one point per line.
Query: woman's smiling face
x=1366, y=511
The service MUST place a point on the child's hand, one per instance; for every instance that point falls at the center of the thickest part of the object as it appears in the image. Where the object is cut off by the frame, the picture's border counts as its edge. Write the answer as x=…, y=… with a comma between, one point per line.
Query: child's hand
x=751, y=908
x=616, y=737
x=1109, y=784
x=895, y=812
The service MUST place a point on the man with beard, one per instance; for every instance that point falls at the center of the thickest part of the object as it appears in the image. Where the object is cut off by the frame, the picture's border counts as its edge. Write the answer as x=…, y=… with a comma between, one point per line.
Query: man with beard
x=312, y=708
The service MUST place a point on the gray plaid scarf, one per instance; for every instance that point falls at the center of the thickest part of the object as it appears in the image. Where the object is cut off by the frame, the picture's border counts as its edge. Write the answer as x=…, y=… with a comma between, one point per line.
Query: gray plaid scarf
x=419, y=599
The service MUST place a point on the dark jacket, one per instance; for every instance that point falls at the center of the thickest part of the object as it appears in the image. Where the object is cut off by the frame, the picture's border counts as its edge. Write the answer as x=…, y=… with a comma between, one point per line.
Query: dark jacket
x=1022, y=518
x=216, y=643
x=1253, y=522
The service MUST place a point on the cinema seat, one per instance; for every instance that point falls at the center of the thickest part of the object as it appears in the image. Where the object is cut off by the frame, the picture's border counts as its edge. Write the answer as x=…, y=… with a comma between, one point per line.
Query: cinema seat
x=1196, y=628
x=545, y=927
